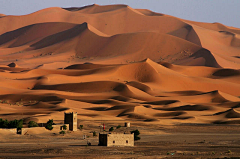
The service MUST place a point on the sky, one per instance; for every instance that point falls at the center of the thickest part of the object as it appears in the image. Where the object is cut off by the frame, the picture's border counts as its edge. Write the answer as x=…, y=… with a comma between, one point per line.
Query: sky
x=226, y=12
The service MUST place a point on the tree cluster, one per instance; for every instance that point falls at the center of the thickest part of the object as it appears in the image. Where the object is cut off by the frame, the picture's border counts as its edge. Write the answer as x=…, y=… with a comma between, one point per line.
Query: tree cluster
x=11, y=124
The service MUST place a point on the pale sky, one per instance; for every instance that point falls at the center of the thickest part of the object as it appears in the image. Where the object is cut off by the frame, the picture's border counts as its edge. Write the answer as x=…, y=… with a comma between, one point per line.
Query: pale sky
x=226, y=12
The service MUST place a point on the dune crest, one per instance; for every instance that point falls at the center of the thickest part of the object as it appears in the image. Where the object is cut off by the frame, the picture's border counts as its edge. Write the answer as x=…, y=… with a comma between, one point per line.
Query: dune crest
x=115, y=62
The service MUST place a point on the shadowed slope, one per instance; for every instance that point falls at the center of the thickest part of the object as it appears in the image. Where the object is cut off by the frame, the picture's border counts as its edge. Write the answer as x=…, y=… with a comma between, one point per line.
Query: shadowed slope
x=33, y=32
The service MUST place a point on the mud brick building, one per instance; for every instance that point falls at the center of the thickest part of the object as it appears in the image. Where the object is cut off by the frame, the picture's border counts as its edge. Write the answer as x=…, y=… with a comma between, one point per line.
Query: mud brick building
x=71, y=119
x=116, y=139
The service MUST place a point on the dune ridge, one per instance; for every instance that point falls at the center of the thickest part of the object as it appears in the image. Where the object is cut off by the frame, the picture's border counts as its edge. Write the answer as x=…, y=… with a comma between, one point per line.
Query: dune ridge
x=138, y=91
x=116, y=62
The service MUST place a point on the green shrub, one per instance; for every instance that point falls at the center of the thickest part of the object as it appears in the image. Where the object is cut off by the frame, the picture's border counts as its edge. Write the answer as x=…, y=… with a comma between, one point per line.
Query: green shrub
x=111, y=129
x=15, y=124
x=50, y=121
x=80, y=127
x=94, y=133
x=49, y=127
x=62, y=132
x=11, y=124
x=32, y=124
x=3, y=123
x=64, y=127
x=136, y=133
x=119, y=126
x=49, y=124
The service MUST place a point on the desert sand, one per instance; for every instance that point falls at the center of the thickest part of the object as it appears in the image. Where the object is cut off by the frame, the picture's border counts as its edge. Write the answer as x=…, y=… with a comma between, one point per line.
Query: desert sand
x=116, y=63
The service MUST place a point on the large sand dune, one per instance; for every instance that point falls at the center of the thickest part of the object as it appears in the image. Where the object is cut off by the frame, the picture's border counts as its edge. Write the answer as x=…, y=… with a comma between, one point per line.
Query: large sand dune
x=114, y=63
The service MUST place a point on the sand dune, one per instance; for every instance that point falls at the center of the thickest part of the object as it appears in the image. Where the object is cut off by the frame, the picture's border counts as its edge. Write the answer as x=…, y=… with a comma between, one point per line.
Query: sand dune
x=118, y=63
x=89, y=15
x=231, y=113
x=137, y=91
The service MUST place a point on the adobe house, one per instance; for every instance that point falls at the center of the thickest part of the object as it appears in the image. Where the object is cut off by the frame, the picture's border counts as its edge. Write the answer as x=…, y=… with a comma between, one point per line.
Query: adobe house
x=71, y=119
x=116, y=139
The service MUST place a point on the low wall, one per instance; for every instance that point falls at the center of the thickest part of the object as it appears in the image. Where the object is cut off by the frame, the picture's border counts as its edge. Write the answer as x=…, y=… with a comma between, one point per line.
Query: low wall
x=33, y=130
x=11, y=130
x=39, y=130
x=60, y=126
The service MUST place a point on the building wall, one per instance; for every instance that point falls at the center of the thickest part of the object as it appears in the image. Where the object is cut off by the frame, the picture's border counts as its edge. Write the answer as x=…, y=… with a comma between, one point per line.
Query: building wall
x=103, y=139
x=120, y=139
x=9, y=131
x=33, y=130
x=60, y=126
x=74, y=122
x=127, y=124
x=71, y=119
x=38, y=130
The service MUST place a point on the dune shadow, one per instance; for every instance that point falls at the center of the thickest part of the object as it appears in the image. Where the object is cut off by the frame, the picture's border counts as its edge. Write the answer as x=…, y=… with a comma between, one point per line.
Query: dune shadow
x=226, y=72
x=97, y=108
x=237, y=57
x=162, y=102
x=60, y=37
x=183, y=117
x=187, y=108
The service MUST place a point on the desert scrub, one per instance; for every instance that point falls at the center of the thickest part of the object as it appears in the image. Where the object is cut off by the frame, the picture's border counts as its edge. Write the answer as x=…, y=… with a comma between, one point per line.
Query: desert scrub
x=64, y=127
x=136, y=133
x=80, y=127
x=119, y=126
x=32, y=124
x=11, y=124
x=49, y=124
x=111, y=129
x=62, y=132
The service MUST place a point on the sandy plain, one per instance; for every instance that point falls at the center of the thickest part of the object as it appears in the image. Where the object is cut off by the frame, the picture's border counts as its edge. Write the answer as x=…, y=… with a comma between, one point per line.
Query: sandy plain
x=157, y=141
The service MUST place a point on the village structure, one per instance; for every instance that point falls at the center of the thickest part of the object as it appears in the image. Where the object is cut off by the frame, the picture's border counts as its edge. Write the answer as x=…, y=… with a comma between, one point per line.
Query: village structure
x=71, y=119
x=114, y=138
x=117, y=137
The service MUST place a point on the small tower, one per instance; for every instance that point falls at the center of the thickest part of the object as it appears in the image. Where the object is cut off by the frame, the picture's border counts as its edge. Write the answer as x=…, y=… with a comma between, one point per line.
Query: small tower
x=127, y=124
x=71, y=119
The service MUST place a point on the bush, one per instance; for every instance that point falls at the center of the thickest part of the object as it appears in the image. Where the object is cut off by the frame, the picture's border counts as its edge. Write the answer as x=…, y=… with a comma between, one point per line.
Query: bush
x=136, y=133
x=136, y=138
x=49, y=127
x=64, y=127
x=32, y=124
x=3, y=123
x=62, y=132
x=11, y=124
x=16, y=124
x=119, y=126
x=50, y=121
x=49, y=124
x=94, y=133
x=80, y=127
x=111, y=129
